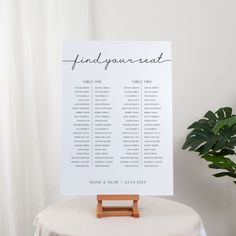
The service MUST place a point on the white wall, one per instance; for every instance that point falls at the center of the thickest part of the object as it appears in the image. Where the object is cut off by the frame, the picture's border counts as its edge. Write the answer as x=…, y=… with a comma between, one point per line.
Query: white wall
x=203, y=33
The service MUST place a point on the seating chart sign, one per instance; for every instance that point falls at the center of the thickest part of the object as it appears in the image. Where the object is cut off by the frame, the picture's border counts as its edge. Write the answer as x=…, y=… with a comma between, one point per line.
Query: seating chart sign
x=117, y=118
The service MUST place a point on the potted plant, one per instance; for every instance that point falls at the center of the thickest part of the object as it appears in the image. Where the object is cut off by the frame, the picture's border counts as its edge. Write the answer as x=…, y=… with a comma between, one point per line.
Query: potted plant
x=214, y=139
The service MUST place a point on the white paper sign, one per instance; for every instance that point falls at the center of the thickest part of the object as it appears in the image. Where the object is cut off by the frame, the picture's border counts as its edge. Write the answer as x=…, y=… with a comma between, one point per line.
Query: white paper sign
x=117, y=118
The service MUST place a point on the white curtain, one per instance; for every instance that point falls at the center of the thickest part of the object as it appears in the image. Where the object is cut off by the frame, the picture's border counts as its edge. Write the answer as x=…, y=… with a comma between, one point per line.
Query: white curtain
x=32, y=32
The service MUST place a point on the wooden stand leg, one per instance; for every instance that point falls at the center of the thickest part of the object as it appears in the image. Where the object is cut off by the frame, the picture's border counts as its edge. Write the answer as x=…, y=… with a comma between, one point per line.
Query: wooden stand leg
x=99, y=209
x=117, y=210
x=135, y=209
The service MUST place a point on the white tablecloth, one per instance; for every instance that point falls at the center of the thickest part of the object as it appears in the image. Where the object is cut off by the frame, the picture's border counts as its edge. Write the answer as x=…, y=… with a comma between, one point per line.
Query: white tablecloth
x=159, y=217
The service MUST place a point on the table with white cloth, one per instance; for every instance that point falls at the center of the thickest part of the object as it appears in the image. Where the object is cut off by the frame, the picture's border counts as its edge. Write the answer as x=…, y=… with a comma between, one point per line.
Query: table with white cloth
x=159, y=217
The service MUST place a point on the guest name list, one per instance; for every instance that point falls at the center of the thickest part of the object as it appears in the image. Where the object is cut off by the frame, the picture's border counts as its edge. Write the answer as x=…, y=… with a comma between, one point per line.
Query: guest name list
x=117, y=118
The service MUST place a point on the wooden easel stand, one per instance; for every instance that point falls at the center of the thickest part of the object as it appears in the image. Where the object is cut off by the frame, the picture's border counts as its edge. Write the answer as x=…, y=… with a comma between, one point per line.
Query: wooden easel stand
x=117, y=210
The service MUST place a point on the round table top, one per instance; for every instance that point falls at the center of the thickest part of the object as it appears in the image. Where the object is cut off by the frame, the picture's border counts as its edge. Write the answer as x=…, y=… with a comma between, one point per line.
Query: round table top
x=158, y=216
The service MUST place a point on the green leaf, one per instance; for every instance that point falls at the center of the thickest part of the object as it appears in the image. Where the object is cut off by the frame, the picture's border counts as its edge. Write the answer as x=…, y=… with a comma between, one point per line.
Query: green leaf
x=221, y=161
x=224, y=152
x=228, y=112
x=214, y=166
x=193, y=142
x=204, y=149
x=231, y=121
x=225, y=174
x=220, y=113
x=201, y=134
x=210, y=116
x=219, y=125
x=233, y=130
x=198, y=124
x=232, y=141
x=220, y=174
x=222, y=123
x=220, y=143
x=229, y=145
